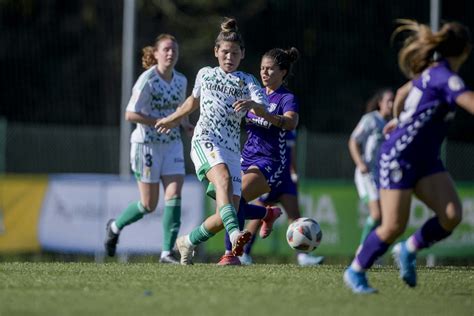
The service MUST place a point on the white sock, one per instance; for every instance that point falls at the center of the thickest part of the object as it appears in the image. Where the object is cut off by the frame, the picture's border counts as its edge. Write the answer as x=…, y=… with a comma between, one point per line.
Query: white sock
x=228, y=252
x=114, y=228
x=233, y=236
x=411, y=244
x=165, y=253
x=302, y=256
x=188, y=240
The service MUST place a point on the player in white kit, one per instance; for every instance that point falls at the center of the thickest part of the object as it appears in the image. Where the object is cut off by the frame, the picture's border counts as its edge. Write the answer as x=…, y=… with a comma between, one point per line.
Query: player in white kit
x=364, y=145
x=224, y=95
x=158, y=92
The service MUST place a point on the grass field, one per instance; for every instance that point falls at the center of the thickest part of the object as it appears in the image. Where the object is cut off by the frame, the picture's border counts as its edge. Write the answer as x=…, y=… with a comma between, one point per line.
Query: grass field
x=206, y=289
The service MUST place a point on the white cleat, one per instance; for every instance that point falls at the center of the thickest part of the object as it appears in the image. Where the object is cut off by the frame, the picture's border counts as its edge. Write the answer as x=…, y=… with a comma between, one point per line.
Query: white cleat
x=305, y=259
x=185, y=250
x=246, y=259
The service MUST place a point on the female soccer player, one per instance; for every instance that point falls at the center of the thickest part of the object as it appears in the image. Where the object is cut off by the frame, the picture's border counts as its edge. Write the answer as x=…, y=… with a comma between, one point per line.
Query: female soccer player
x=287, y=196
x=224, y=96
x=364, y=145
x=410, y=158
x=159, y=91
x=265, y=157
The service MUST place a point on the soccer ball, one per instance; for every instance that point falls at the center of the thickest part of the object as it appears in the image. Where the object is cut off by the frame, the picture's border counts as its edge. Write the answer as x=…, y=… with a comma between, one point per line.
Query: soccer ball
x=304, y=234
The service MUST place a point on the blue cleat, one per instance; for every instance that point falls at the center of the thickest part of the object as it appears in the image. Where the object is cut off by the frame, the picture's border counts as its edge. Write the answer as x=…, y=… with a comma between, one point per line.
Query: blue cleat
x=357, y=282
x=406, y=262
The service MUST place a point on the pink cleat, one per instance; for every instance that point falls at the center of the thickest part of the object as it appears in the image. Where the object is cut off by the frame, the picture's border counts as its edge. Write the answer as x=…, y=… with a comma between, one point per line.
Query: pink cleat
x=229, y=260
x=238, y=247
x=267, y=222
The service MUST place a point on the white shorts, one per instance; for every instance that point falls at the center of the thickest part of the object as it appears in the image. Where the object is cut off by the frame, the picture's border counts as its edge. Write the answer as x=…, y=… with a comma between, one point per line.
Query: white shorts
x=366, y=186
x=206, y=155
x=151, y=161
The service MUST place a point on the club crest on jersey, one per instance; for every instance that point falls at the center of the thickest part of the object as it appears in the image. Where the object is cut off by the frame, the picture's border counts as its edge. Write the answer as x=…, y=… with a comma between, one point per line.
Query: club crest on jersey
x=396, y=175
x=272, y=107
x=455, y=83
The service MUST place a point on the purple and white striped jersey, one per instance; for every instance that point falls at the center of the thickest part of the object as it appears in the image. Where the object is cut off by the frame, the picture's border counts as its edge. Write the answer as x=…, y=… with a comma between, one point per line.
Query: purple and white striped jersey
x=266, y=141
x=412, y=150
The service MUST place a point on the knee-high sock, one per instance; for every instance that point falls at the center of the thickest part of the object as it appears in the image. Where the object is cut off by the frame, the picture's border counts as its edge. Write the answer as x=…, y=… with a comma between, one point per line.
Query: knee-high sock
x=241, y=220
x=428, y=234
x=171, y=222
x=248, y=246
x=252, y=211
x=372, y=248
x=199, y=234
x=131, y=214
x=229, y=218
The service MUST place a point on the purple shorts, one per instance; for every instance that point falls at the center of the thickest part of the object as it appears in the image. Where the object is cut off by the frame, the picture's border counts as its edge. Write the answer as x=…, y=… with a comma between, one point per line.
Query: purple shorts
x=287, y=186
x=400, y=173
x=277, y=175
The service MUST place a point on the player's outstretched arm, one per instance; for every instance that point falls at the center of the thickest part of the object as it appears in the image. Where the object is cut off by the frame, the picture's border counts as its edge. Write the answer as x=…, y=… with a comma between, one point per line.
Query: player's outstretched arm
x=165, y=124
x=136, y=117
x=398, y=105
x=400, y=97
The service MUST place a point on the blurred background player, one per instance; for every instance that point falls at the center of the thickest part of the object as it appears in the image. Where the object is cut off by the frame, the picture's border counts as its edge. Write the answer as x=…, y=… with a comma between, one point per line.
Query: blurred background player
x=224, y=96
x=266, y=158
x=364, y=145
x=158, y=92
x=410, y=160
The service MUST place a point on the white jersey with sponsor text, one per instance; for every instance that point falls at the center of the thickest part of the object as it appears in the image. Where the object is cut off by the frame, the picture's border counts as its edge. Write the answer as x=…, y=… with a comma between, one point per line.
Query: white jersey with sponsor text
x=154, y=97
x=218, y=90
x=218, y=122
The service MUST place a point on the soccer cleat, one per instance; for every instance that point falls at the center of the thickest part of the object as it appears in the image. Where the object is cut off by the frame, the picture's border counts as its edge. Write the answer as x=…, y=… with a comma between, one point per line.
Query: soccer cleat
x=357, y=282
x=246, y=259
x=406, y=262
x=267, y=222
x=185, y=250
x=305, y=259
x=111, y=239
x=243, y=238
x=229, y=260
x=169, y=259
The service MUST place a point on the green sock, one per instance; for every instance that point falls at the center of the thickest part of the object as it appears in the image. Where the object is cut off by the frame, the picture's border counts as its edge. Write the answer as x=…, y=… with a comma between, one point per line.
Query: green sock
x=200, y=234
x=370, y=225
x=171, y=222
x=132, y=213
x=229, y=218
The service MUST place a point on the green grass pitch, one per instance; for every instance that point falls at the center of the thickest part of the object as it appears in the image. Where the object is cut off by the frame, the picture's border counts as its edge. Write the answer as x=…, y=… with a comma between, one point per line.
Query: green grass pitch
x=206, y=289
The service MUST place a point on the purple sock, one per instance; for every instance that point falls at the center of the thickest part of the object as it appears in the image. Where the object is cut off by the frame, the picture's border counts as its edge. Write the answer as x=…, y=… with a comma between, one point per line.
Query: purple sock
x=372, y=248
x=241, y=219
x=228, y=244
x=248, y=246
x=430, y=233
x=252, y=211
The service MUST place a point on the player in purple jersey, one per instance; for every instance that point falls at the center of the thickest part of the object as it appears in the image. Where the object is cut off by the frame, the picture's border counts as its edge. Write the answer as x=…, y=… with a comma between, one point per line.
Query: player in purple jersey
x=410, y=157
x=265, y=159
x=286, y=195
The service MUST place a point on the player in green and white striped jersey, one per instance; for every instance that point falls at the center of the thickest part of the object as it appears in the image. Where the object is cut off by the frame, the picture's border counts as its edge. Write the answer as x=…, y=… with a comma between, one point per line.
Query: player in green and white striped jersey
x=158, y=92
x=224, y=95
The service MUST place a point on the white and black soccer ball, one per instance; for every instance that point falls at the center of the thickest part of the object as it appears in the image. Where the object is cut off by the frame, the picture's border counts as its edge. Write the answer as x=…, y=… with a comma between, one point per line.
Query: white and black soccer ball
x=304, y=234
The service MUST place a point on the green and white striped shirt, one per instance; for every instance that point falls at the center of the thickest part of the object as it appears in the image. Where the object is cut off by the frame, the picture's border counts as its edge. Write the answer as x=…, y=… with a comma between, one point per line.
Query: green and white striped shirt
x=154, y=97
x=218, y=122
